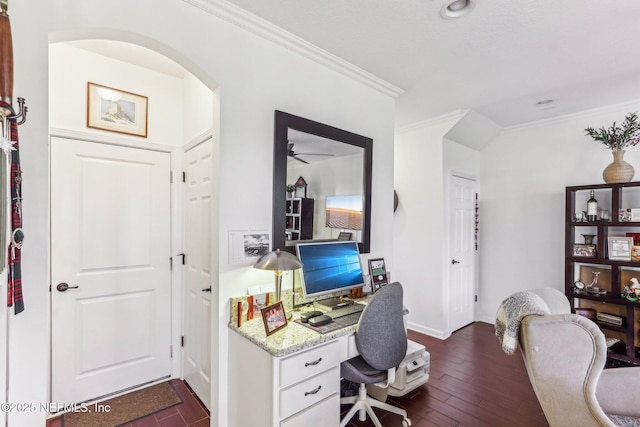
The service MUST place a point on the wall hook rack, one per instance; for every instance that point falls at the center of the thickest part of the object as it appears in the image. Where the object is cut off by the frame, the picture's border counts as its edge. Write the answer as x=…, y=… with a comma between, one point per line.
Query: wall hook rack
x=21, y=115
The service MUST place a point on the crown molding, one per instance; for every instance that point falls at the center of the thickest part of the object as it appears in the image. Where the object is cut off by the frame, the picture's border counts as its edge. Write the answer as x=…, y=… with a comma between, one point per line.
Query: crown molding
x=265, y=29
x=629, y=105
x=455, y=115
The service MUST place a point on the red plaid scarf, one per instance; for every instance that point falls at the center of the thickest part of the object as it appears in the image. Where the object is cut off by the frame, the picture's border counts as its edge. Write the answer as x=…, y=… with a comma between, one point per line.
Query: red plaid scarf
x=14, y=285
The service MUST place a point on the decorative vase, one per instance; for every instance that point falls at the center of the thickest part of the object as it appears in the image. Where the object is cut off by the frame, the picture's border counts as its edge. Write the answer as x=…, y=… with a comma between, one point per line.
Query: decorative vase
x=619, y=170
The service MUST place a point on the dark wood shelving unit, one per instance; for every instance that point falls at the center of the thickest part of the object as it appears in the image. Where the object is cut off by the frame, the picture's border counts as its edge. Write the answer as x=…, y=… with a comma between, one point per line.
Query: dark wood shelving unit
x=299, y=218
x=612, y=302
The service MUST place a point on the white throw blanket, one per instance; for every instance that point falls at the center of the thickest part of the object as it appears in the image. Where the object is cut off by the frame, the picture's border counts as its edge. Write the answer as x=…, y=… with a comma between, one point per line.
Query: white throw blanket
x=511, y=312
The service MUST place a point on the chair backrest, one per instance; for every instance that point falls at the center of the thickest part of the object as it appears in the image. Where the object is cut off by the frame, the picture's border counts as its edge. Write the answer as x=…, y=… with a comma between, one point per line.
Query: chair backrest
x=380, y=337
x=564, y=355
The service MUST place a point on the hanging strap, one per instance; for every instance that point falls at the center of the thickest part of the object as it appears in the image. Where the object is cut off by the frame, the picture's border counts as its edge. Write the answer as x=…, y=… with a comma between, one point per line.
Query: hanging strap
x=14, y=285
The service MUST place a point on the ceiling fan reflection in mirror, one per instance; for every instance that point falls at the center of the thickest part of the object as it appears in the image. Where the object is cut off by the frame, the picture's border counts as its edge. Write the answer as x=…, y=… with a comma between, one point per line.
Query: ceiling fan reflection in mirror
x=295, y=155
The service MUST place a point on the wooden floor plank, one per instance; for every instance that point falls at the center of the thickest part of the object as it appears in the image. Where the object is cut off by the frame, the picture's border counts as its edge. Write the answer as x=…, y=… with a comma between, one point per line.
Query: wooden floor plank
x=472, y=383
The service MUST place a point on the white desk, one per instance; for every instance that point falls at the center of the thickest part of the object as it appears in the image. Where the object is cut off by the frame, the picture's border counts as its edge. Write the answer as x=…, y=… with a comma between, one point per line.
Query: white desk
x=289, y=379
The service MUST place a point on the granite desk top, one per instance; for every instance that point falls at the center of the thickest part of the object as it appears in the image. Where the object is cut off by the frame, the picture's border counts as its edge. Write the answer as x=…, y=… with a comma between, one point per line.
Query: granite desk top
x=294, y=337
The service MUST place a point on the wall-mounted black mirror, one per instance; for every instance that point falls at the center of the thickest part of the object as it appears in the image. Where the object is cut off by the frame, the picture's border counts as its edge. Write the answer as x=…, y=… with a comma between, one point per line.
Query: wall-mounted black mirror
x=336, y=166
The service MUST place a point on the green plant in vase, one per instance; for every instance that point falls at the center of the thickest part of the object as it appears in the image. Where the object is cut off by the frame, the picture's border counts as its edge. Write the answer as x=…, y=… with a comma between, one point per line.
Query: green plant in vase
x=617, y=138
x=290, y=189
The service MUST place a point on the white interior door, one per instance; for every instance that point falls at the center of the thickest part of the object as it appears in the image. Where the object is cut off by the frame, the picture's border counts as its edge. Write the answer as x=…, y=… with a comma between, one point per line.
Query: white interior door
x=198, y=273
x=110, y=242
x=463, y=260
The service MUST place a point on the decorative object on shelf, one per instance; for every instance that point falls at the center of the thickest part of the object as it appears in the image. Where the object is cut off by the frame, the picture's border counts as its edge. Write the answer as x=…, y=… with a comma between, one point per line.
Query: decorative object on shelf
x=116, y=110
x=624, y=215
x=301, y=188
x=618, y=170
x=589, y=313
x=610, y=319
x=290, y=189
x=592, y=207
x=274, y=318
x=620, y=248
x=584, y=250
x=592, y=288
x=580, y=216
x=278, y=261
x=578, y=287
x=588, y=238
x=617, y=138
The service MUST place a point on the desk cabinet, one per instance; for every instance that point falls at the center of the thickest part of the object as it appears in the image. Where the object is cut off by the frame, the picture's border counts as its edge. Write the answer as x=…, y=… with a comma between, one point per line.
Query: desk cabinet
x=299, y=389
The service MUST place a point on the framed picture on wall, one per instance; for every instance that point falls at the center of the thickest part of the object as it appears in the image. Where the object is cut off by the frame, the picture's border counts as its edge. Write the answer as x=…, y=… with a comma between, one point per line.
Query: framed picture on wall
x=116, y=110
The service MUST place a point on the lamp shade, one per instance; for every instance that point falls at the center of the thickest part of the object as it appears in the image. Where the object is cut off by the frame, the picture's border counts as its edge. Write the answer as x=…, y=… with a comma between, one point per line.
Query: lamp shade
x=278, y=261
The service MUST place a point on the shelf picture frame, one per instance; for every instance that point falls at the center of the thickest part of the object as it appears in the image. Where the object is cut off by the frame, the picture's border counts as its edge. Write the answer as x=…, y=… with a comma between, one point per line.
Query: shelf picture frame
x=274, y=318
x=581, y=250
x=116, y=110
x=620, y=248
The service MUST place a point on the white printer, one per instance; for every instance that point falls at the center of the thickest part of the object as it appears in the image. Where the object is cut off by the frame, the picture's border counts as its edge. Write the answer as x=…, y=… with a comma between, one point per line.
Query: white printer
x=412, y=372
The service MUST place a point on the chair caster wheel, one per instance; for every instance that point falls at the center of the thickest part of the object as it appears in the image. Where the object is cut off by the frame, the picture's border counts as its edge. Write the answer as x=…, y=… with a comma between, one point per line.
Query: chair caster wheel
x=406, y=422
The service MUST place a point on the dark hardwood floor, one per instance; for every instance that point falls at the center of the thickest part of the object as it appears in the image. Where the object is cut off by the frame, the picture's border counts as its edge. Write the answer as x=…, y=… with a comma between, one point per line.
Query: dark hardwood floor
x=472, y=383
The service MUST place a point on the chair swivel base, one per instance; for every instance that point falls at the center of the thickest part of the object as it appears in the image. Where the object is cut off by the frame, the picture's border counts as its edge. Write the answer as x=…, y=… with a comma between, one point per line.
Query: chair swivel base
x=363, y=404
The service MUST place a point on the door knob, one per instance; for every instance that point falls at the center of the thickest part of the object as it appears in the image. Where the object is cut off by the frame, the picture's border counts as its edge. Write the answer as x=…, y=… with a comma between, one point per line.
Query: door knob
x=453, y=261
x=207, y=289
x=64, y=286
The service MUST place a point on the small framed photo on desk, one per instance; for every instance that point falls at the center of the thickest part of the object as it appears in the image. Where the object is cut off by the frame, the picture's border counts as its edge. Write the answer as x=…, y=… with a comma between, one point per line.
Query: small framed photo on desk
x=274, y=318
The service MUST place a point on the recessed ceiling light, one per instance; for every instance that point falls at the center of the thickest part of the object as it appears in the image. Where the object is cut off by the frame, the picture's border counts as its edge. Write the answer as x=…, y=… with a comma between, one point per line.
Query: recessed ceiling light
x=453, y=9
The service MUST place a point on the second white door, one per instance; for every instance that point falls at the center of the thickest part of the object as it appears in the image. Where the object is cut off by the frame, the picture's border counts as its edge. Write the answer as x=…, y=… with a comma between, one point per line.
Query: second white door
x=198, y=270
x=463, y=248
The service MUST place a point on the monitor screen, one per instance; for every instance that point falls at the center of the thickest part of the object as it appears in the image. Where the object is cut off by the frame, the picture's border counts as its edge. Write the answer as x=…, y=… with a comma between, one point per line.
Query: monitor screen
x=329, y=267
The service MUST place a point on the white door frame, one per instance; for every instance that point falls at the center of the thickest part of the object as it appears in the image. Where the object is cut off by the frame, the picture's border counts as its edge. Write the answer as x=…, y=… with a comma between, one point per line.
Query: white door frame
x=176, y=234
x=446, y=300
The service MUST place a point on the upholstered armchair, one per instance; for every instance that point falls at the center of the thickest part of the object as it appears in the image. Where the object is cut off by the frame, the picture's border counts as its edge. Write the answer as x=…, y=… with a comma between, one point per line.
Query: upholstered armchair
x=565, y=355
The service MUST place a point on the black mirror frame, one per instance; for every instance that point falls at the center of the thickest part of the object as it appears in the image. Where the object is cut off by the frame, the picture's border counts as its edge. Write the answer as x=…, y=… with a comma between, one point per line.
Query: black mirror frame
x=285, y=121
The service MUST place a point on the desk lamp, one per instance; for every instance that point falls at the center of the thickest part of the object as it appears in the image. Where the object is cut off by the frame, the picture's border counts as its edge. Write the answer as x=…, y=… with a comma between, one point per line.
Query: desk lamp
x=279, y=262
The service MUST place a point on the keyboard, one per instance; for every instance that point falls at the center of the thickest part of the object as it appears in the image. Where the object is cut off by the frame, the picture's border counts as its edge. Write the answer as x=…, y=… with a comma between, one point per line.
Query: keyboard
x=342, y=317
x=345, y=311
x=348, y=319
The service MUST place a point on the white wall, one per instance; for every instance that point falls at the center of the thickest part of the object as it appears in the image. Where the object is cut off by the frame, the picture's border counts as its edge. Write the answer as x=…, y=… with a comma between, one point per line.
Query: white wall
x=524, y=174
x=68, y=93
x=255, y=77
x=418, y=223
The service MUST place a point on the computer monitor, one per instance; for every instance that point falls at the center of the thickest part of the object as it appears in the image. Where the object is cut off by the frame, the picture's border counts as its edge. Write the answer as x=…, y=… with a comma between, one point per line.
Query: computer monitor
x=329, y=268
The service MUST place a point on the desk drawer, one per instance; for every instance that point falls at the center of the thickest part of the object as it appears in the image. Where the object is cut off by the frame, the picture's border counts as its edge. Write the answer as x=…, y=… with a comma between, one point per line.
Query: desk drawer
x=313, y=390
x=322, y=414
x=308, y=363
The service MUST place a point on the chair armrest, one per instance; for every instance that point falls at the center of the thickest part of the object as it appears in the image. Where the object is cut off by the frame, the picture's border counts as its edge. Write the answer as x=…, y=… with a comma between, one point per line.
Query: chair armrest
x=617, y=391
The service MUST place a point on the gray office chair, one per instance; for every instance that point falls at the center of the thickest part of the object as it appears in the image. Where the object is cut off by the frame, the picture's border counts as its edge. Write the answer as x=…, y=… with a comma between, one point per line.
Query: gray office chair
x=381, y=340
